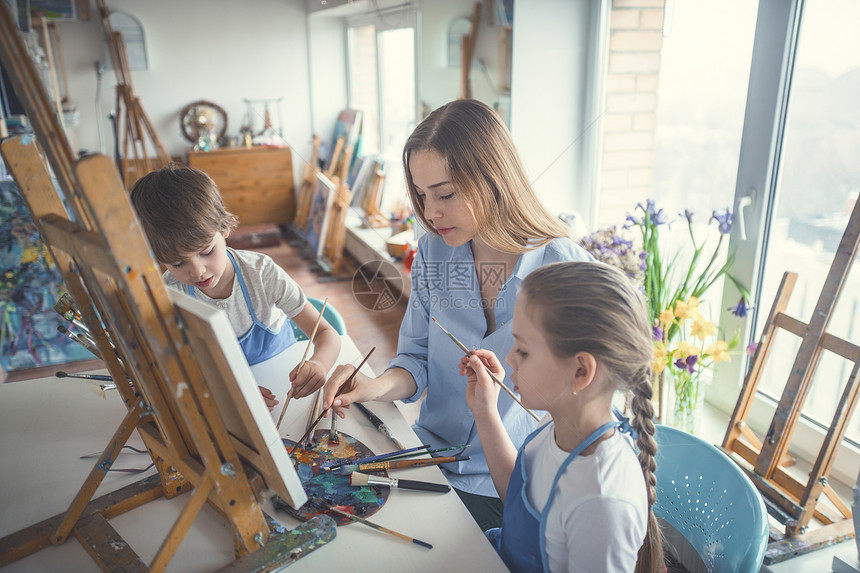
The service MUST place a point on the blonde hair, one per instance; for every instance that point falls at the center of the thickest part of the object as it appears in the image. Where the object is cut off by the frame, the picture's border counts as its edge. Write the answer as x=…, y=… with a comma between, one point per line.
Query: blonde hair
x=485, y=168
x=593, y=307
x=180, y=210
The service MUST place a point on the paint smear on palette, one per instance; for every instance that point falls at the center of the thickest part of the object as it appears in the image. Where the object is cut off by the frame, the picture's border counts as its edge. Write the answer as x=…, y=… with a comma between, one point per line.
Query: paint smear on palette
x=332, y=488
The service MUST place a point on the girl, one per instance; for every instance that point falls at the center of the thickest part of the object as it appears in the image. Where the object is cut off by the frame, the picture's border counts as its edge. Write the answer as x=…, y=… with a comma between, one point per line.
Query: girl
x=576, y=498
x=487, y=231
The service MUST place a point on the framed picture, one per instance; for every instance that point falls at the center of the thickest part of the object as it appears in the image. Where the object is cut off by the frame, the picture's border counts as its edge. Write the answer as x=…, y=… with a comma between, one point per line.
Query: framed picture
x=234, y=389
x=54, y=9
x=318, y=221
x=30, y=284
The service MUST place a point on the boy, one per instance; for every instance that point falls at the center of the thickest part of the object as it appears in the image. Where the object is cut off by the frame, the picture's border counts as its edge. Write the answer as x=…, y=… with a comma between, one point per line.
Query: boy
x=184, y=218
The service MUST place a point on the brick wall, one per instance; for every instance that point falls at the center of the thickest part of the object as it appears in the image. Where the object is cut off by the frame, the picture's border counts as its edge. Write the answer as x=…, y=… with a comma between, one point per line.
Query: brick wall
x=629, y=119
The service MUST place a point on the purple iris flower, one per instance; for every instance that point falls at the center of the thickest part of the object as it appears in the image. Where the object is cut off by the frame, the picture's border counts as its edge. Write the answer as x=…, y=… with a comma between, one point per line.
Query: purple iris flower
x=689, y=364
x=741, y=308
x=657, y=332
x=724, y=219
x=688, y=215
x=632, y=221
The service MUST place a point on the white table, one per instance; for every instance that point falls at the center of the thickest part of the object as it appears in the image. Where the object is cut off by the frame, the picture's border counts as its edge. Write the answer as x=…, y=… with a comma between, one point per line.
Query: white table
x=47, y=424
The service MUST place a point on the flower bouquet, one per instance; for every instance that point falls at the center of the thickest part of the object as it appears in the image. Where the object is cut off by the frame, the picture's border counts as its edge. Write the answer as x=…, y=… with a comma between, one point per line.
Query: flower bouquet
x=674, y=279
x=686, y=343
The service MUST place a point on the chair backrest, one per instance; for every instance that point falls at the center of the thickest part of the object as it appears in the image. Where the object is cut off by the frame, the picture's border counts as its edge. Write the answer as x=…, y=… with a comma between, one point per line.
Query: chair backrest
x=704, y=495
x=331, y=315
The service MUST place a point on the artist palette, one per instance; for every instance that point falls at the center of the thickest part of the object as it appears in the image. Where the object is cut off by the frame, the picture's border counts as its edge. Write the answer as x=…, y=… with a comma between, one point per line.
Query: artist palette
x=332, y=488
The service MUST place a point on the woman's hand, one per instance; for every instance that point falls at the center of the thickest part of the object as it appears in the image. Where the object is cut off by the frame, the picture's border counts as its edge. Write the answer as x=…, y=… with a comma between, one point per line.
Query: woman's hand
x=482, y=394
x=362, y=388
x=268, y=398
x=307, y=379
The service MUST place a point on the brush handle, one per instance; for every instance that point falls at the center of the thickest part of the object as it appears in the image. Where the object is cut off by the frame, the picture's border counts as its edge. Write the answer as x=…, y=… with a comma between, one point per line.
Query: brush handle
x=333, y=466
x=420, y=485
x=403, y=464
x=100, y=377
x=379, y=424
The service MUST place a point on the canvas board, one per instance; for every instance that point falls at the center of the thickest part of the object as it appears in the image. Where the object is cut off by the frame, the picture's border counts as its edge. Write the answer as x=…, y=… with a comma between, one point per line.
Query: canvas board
x=320, y=214
x=237, y=396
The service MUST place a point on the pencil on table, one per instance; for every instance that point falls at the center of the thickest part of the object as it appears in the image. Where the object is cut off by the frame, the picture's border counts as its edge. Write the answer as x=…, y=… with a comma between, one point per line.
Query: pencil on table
x=302, y=363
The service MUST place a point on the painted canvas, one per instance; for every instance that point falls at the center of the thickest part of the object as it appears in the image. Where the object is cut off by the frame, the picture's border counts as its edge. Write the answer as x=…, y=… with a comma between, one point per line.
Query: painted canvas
x=317, y=228
x=30, y=284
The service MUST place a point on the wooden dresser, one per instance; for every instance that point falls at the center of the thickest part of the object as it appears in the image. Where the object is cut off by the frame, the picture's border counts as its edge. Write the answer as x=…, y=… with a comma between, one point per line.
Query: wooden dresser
x=256, y=183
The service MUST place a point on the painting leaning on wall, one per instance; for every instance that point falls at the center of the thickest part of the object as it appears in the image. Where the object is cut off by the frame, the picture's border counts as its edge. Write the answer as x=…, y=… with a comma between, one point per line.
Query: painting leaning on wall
x=29, y=286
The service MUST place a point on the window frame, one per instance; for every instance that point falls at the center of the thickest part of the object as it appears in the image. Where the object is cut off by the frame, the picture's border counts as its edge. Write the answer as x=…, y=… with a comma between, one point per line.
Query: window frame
x=778, y=27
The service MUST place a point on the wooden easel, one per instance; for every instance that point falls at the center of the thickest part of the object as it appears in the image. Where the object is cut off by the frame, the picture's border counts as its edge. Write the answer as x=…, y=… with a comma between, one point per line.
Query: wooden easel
x=309, y=181
x=132, y=121
x=373, y=215
x=54, y=47
x=790, y=500
x=467, y=52
x=336, y=234
x=106, y=264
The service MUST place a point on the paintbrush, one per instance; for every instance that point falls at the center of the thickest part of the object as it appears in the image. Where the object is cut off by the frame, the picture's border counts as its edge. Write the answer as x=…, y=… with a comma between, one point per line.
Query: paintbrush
x=398, y=464
x=80, y=339
x=375, y=526
x=346, y=385
x=413, y=454
x=493, y=376
x=380, y=425
x=301, y=363
x=66, y=308
x=100, y=377
x=360, y=479
x=284, y=410
x=375, y=458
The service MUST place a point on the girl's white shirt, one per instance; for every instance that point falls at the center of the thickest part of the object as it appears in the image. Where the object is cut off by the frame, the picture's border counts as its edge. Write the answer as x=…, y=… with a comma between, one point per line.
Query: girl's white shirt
x=598, y=517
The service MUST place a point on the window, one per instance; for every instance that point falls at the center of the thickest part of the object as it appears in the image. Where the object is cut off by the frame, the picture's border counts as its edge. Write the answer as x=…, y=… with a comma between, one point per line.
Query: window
x=818, y=185
x=798, y=177
x=381, y=53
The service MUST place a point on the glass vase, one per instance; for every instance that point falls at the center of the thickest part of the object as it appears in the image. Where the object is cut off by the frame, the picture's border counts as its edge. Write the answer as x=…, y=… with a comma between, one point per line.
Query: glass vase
x=684, y=399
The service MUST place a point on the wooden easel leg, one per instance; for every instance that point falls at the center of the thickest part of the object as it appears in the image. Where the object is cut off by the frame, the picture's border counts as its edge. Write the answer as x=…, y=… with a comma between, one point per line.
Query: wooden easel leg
x=38, y=536
x=180, y=527
x=106, y=546
x=98, y=473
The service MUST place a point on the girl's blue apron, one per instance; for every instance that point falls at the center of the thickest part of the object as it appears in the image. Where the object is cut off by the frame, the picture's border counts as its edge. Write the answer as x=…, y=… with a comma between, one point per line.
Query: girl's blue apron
x=259, y=343
x=521, y=540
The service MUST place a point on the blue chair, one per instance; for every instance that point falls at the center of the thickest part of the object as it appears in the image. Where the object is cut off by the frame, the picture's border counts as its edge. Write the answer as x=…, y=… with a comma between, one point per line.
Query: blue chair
x=709, y=500
x=331, y=315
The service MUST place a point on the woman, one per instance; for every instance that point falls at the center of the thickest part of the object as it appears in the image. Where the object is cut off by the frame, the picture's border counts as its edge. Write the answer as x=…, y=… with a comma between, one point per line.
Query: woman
x=487, y=231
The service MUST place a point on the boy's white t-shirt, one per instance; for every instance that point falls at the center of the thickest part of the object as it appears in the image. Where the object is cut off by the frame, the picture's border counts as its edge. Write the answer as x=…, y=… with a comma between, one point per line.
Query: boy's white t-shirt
x=599, y=515
x=274, y=295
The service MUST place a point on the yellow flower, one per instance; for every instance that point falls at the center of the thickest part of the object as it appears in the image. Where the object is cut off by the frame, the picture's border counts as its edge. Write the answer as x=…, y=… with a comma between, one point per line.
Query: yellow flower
x=718, y=351
x=658, y=363
x=685, y=349
x=667, y=317
x=702, y=328
x=689, y=309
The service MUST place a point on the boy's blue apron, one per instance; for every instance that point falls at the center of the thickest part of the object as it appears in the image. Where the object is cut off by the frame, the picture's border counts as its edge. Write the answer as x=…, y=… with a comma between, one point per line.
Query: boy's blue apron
x=259, y=343
x=521, y=540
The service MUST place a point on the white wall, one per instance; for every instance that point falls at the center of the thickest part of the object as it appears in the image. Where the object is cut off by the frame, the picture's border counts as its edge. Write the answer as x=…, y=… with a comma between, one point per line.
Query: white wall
x=549, y=98
x=221, y=51
x=328, y=72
